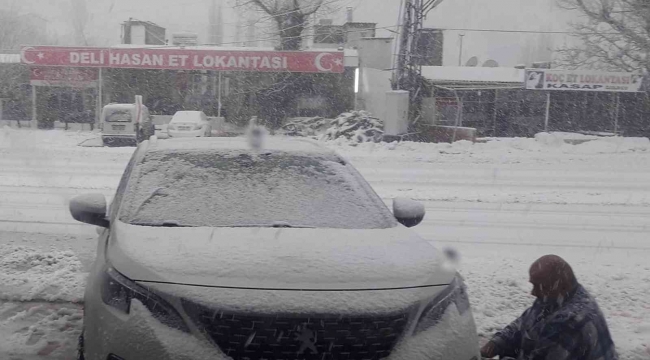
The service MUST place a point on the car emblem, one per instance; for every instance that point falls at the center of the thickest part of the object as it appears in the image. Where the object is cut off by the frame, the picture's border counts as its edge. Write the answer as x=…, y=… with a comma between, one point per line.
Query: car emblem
x=307, y=339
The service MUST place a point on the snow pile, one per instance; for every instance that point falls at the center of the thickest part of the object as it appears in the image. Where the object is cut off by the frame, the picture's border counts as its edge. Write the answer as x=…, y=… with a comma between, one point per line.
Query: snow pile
x=355, y=126
x=550, y=139
x=92, y=142
x=39, y=329
x=612, y=145
x=28, y=274
x=313, y=126
x=549, y=144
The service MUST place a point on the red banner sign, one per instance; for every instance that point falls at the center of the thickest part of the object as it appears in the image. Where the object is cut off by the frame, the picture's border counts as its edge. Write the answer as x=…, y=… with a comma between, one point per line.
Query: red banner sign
x=74, y=77
x=185, y=59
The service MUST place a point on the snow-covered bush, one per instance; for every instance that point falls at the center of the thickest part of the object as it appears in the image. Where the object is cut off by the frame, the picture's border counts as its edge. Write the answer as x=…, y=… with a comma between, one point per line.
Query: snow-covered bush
x=357, y=126
x=311, y=126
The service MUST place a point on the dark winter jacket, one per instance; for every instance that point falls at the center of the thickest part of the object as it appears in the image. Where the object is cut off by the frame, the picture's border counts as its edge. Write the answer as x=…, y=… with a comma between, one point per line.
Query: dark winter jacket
x=574, y=329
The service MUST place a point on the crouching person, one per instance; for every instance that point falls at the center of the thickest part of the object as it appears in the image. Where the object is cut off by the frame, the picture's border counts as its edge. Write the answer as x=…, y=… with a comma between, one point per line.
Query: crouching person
x=564, y=322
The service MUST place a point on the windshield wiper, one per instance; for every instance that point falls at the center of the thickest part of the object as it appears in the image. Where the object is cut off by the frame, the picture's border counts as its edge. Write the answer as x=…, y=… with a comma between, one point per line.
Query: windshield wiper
x=174, y=223
x=166, y=223
x=277, y=224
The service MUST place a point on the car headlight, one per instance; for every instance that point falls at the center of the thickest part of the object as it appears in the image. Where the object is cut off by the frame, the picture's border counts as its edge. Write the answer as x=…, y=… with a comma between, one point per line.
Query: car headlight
x=454, y=294
x=118, y=291
x=198, y=127
x=171, y=127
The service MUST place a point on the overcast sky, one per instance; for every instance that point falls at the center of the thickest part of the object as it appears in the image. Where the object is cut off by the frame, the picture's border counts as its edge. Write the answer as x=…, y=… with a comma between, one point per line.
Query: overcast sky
x=192, y=15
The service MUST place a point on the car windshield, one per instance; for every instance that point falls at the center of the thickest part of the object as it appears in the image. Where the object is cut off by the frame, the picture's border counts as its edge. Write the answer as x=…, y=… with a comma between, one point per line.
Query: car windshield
x=245, y=189
x=186, y=117
x=118, y=116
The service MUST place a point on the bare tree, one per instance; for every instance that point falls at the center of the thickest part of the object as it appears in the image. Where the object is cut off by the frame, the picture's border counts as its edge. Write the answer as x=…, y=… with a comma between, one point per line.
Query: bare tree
x=79, y=17
x=290, y=16
x=615, y=35
x=17, y=29
x=20, y=29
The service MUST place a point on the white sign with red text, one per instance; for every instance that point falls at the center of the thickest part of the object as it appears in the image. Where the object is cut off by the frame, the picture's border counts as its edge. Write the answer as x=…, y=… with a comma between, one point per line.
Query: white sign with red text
x=543, y=79
x=186, y=59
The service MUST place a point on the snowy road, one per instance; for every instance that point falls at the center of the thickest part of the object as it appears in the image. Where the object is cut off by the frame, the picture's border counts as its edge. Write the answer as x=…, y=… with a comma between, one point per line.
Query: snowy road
x=501, y=205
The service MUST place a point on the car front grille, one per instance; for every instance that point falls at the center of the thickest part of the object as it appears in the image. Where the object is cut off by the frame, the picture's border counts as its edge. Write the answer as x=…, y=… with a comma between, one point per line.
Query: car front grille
x=118, y=127
x=258, y=337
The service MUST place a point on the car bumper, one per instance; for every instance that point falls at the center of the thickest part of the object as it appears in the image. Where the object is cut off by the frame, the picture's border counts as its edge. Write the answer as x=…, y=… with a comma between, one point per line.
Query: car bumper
x=454, y=338
x=189, y=133
x=139, y=335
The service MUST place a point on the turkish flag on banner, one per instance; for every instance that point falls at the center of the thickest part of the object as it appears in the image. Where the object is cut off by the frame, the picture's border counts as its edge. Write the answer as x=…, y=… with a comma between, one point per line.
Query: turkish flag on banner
x=185, y=59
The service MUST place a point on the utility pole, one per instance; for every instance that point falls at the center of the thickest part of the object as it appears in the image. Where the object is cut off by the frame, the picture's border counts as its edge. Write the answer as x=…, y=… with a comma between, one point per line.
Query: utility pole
x=404, y=49
x=408, y=73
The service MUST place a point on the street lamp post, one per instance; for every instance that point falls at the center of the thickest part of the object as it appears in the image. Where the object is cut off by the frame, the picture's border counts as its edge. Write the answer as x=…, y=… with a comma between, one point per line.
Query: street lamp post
x=460, y=50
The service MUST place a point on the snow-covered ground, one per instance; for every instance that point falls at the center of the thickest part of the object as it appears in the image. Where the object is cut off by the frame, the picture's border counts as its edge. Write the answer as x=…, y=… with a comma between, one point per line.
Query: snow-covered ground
x=500, y=204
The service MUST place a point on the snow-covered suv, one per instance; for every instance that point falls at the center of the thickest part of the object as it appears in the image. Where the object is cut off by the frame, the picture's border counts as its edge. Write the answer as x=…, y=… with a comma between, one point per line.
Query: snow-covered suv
x=214, y=250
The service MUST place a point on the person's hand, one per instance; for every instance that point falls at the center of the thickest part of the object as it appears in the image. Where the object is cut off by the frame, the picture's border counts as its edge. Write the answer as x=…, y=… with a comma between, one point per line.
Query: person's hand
x=489, y=350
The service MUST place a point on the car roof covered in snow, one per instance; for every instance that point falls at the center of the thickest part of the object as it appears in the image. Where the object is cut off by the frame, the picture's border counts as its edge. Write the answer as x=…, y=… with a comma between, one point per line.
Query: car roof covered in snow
x=228, y=144
x=119, y=106
x=189, y=112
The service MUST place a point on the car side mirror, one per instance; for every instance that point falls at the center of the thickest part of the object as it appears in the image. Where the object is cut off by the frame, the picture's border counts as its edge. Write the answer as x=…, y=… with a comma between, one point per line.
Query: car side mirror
x=89, y=209
x=408, y=212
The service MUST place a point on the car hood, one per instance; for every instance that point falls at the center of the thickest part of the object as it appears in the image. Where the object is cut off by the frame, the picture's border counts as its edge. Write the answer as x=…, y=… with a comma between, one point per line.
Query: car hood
x=277, y=258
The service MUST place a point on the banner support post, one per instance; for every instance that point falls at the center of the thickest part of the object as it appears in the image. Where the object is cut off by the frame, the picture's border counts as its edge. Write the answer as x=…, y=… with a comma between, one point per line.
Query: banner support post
x=34, y=123
x=616, y=113
x=100, y=96
x=219, y=96
x=548, y=110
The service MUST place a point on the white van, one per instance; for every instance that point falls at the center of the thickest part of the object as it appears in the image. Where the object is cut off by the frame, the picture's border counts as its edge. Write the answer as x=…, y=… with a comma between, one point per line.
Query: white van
x=120, y=126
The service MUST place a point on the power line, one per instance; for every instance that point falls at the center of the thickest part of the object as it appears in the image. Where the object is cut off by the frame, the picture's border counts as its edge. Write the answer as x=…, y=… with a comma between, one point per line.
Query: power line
x=526, y=31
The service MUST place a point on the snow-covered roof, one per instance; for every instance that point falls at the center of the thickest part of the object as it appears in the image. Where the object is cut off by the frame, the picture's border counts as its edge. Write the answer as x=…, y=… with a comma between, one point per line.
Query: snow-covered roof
x=271, y=143
x=454, y=74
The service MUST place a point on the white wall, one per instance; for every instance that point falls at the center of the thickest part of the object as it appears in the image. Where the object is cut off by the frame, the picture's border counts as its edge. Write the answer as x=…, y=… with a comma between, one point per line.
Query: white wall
x=375, y=53
x=138, y=34
x=373, y=85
